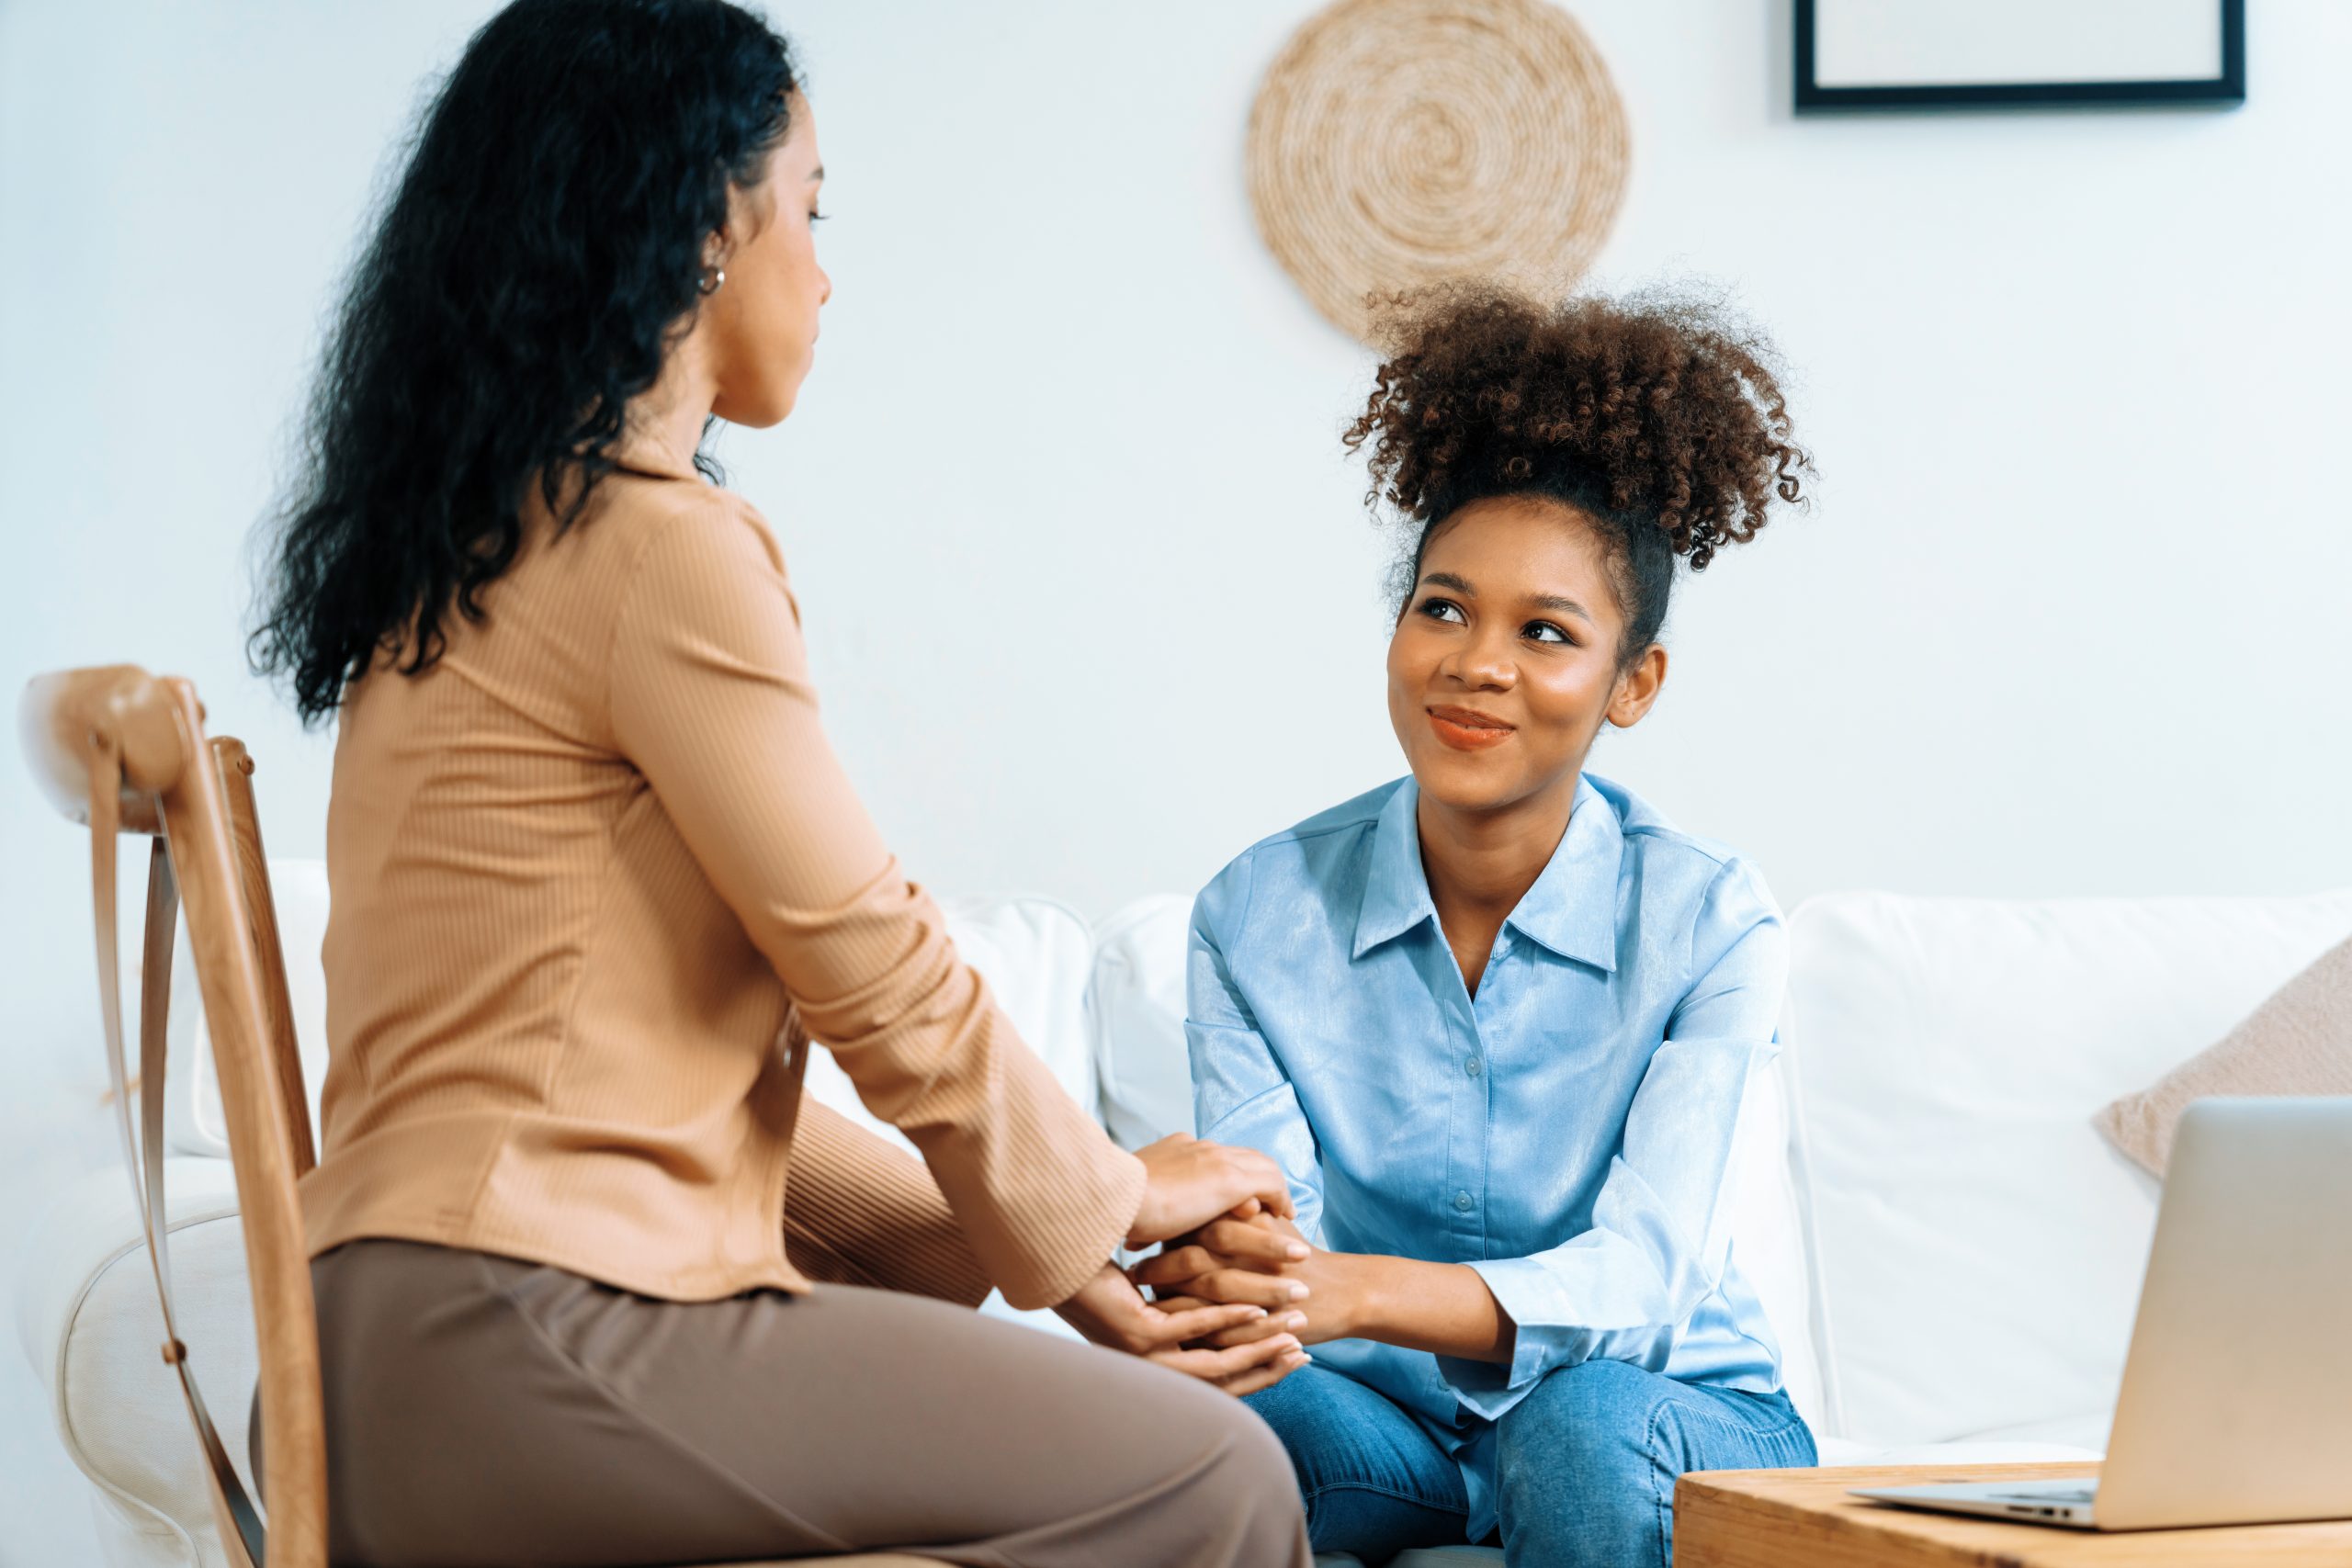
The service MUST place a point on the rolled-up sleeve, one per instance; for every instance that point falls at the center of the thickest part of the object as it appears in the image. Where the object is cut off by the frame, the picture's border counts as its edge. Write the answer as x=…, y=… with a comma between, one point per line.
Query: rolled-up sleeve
x=1240, y=1093
x=1660, y=1232
x=711, y=701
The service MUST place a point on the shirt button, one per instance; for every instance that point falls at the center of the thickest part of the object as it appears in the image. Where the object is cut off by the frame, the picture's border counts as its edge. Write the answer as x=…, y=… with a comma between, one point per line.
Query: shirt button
x=1472, y=1066
x=1464, y=1202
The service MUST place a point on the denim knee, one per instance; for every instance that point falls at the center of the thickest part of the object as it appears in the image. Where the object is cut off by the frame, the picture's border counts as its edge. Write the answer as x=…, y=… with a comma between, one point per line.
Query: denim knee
x=1333, y=1430
x=1578, y=1473
x=1373, y=1481
x=1588, y=1461
x=1587, y=1419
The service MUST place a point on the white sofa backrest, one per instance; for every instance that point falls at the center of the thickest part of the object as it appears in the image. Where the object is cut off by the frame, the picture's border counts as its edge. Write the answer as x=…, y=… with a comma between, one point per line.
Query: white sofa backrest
x=1032, y=952
x=1979, y=1245
x=1137, y=1001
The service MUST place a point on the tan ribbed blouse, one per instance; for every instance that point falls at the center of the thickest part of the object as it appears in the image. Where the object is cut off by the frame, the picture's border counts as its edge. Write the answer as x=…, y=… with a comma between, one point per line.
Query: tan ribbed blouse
x=596, y=876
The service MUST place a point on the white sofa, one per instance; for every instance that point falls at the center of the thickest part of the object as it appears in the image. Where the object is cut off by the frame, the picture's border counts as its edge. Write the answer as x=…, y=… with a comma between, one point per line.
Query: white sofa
x=1948, y=1251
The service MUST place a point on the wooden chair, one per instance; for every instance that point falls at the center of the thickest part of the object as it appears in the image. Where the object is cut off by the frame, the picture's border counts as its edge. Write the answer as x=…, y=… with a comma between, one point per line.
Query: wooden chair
x=125, y=752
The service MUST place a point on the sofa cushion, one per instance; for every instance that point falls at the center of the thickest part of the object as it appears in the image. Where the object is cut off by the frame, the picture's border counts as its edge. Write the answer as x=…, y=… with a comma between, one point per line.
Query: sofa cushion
x=2299, y=1042
x=1134, y=1000
x=1137, y=1000
x=87, y=1317
x=1979, y=1244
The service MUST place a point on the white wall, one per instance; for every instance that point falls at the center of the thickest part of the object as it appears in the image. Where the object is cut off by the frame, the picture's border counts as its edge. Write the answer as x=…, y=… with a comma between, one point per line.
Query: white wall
x=1088, y=585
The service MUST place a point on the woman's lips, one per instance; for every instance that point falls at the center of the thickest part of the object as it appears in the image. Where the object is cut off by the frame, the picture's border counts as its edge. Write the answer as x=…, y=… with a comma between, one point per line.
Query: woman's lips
x=1467, y=729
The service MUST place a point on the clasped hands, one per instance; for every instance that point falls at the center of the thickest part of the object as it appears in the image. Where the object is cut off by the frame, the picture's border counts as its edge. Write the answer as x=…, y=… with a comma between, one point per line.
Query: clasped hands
x=1240, y=1294
x=1228, y=1307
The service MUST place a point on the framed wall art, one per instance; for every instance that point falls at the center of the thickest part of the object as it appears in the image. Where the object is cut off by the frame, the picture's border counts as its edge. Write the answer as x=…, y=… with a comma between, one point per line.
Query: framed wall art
x=1894, y=54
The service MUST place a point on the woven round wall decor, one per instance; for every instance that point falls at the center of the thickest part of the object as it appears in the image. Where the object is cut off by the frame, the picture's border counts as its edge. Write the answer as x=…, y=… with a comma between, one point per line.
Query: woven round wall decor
x=1402, y=142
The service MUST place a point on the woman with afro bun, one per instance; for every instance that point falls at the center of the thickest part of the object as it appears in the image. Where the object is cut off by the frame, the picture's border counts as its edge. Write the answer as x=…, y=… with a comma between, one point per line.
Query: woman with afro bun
x=1495, y=1020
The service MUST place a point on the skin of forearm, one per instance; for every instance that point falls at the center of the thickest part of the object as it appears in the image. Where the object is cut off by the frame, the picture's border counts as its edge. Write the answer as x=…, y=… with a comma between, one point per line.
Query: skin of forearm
x=1443, y=1308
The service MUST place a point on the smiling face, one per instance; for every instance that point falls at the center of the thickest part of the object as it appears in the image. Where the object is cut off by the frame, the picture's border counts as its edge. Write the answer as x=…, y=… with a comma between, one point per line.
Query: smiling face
x=1506, y=663
x=761, y=322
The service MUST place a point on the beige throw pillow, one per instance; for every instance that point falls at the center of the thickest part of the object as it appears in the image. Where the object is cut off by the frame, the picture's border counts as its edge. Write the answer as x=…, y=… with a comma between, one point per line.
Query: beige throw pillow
x=2298, y=1043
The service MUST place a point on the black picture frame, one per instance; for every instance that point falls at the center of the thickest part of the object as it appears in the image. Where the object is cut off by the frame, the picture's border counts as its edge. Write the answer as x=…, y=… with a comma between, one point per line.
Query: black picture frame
x=2225, y=91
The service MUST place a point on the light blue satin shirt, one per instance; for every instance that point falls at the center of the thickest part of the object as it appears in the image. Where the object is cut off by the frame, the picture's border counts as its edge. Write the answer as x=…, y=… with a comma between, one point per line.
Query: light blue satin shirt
x=1567, y=1133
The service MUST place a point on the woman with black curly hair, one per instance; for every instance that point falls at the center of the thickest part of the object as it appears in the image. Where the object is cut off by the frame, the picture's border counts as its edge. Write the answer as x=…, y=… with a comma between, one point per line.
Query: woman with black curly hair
x=598, y=882
x=1495, y=1020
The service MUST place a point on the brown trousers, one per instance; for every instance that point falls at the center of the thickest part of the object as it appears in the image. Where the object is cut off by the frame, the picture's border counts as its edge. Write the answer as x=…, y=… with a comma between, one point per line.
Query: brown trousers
x=484, y=1412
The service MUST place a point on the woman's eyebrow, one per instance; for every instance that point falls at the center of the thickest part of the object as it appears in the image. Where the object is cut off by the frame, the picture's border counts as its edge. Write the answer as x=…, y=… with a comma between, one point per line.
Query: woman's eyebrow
x=1447, y=579
x=1563, y=607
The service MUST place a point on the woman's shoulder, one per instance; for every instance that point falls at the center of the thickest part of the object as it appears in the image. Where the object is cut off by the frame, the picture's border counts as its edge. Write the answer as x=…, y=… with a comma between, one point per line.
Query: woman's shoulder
x=1710, y=882
x=665, y=565
x=648, y=517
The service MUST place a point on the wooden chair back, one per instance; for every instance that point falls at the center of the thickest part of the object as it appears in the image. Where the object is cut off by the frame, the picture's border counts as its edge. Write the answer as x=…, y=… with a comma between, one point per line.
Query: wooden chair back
x=125, y=751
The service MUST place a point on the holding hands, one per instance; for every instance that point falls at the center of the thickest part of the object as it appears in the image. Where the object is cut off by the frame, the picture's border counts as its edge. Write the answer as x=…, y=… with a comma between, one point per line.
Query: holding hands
x=1256, y=1257
x=1238, y=1349
x=1233, y=1342
x=1188, y=1182
x=1238, y=1293
x=1253, y=1256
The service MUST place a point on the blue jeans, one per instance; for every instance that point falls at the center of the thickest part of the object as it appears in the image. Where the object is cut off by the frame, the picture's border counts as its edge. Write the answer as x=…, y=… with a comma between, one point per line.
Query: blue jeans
x=1585, y=1467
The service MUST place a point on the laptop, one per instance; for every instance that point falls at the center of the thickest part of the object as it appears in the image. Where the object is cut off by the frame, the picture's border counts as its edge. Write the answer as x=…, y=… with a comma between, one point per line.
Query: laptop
x=2236, y=1406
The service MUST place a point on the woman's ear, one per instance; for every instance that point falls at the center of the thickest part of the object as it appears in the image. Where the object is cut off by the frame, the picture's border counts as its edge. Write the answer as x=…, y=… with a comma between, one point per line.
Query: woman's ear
x=1637, y=688
x=716, y=248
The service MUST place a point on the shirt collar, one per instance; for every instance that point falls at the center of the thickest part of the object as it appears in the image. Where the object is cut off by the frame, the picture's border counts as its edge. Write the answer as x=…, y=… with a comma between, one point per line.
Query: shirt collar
x=1571, y=909
x=1396, y=894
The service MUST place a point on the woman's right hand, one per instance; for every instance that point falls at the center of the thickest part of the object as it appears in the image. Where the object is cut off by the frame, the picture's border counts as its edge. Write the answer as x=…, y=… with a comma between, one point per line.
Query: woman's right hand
x=1189, y=1181
x=1238, y=1349
x=1248, y=1261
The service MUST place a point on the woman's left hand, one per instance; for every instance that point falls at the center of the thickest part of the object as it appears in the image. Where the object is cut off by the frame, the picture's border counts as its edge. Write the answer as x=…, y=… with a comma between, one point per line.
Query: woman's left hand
x=1231, y=1260
x=1321, y=1284
x=1111, y=1312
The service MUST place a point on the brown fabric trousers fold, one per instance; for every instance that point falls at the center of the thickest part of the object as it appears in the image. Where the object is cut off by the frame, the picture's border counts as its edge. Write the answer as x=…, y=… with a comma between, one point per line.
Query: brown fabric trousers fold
x=486, y=1413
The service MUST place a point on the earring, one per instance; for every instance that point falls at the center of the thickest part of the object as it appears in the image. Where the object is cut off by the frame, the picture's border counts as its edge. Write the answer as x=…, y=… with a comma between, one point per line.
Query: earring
x=710, y=284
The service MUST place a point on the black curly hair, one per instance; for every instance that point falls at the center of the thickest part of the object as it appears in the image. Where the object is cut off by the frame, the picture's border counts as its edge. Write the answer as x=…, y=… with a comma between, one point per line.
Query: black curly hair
x=536, y=260
x=1659, y=418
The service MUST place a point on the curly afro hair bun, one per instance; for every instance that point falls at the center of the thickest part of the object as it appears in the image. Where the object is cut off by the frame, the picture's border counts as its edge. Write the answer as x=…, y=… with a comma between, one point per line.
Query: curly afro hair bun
x=1658, y=417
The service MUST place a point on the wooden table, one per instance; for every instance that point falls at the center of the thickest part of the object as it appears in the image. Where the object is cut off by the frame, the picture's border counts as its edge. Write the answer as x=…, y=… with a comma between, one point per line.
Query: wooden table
x=1803, y=1519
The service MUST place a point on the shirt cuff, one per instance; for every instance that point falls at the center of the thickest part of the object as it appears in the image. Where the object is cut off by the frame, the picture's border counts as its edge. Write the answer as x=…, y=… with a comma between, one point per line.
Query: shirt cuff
x=1529, y=1297
x=1084, y=1242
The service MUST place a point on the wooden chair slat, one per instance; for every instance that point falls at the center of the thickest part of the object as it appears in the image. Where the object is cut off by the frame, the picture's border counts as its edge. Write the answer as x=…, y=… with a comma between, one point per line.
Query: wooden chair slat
x=235, y=766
